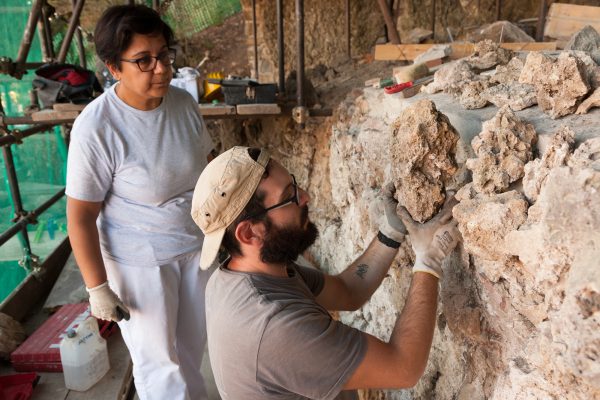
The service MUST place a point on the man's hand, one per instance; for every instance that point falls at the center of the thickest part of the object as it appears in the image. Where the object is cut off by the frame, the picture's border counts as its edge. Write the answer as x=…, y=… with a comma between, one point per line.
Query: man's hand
x=106, y=305
x=433, y=240
x=392, y=225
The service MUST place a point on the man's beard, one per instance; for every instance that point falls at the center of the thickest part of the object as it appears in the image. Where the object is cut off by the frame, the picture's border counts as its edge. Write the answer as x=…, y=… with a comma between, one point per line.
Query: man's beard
x=284, y=245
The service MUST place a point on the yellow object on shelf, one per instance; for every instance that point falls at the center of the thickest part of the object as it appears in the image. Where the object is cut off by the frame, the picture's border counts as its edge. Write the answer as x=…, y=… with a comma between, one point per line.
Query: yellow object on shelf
x=211, y=90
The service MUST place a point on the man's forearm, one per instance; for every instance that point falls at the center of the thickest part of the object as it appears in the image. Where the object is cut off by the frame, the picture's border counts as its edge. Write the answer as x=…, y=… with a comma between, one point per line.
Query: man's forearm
x=413, y=332
x=365, y=274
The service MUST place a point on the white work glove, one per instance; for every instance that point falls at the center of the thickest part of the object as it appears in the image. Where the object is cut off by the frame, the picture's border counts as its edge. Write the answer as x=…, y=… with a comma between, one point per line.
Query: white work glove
x=106, y=305
x=433, y=240
x=392, y=226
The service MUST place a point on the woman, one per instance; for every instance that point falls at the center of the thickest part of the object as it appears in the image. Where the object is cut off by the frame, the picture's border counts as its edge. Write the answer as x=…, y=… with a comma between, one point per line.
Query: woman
x=135, y=155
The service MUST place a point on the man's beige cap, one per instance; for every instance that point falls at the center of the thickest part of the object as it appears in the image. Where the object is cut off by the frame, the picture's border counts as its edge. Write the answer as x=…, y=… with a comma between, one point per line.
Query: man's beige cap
x=222, y=191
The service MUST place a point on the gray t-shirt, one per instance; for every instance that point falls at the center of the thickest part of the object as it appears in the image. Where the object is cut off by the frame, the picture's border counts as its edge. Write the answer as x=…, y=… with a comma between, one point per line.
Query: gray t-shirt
x=269, y=339
x=143, y=165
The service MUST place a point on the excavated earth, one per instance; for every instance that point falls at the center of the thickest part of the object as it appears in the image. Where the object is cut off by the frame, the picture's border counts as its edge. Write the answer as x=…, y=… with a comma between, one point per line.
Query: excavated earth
x=519, y=310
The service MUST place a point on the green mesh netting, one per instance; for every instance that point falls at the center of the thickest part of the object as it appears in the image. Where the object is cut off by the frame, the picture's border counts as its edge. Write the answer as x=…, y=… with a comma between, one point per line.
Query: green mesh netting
x=40, y=162
x=190, y=16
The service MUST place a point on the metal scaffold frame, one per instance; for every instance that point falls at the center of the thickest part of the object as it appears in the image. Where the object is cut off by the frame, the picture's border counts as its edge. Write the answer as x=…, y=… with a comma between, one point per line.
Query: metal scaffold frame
x=39, y=17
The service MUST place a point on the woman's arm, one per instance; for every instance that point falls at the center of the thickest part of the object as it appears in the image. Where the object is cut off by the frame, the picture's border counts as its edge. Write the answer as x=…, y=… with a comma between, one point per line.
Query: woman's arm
x=83, y=234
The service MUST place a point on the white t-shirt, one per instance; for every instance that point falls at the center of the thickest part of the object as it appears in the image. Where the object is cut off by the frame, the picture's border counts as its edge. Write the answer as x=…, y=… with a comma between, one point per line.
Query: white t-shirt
x=143, y=165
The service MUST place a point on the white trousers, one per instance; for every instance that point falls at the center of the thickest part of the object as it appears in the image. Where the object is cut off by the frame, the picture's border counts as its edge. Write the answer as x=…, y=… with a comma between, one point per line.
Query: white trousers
x=166, y=333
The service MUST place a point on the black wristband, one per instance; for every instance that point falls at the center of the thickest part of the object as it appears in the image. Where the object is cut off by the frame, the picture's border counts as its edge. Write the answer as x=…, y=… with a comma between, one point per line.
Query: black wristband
x=387, y=241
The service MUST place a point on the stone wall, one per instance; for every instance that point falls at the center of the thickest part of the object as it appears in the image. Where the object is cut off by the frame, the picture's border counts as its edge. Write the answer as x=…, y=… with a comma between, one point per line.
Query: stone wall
x=519, y=309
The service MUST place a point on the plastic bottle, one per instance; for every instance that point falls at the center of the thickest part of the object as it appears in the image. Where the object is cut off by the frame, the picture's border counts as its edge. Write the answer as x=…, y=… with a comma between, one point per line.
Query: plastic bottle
x=84, y=356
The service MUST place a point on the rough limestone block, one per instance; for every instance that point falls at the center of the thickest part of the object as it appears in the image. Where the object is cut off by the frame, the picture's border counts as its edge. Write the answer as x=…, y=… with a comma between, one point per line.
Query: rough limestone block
x=507, y=31
x=472, y=94
x=517, y=96
x=434, y=53
x=587, y=155
x=417, y=35
x=561, y=84
x=587, y=39
x=592, y=70
x=422, y=149
x=560, y=245
x=451, y=77
x=484, y=221
x=508, y=73
x=503, y=148
x=592, y=101
x=488, y=54
x=555, y=155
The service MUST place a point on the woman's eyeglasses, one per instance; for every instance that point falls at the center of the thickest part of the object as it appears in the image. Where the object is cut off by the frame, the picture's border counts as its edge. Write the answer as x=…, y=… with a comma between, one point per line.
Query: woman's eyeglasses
x=148, y=63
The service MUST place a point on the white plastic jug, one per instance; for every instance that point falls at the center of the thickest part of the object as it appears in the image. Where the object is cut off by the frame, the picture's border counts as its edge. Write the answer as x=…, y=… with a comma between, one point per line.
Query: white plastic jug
x=84, y=356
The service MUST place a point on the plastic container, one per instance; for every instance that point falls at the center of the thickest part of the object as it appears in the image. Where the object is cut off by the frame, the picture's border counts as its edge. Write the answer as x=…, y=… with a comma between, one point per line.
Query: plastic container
x=84, y=356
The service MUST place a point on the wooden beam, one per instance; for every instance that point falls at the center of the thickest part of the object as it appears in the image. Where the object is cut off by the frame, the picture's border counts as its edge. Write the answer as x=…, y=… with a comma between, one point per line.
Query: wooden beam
x=409, y=52
x=35, y=289
x=389, y=22
x=250, y=109
x=566, y=19
x=220, y=109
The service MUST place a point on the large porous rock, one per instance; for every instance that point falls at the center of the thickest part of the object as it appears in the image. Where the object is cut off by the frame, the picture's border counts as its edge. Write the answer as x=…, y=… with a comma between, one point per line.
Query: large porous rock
x=488, y=54
x=556, y=154
x=587, y=155
x=587, y=39
x=517, y=96
x=503, y=147
x=484, y=221
x=592, y=70
x=560, y=83
x=422, y=149
x=12, y=335
x=500, y=31
x=472, y=94
x=451, y=77
x=560, y=246
x=417, y=35
x=508, y=73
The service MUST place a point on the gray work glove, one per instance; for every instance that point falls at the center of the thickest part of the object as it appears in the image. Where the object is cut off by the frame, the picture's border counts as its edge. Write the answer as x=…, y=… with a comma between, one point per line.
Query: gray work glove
x=391, y=226
x=433, y=240
x=106, y=305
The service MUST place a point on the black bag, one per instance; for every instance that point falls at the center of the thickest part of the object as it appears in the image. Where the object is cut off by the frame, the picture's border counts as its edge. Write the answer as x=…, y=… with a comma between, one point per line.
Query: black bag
x=65, y=83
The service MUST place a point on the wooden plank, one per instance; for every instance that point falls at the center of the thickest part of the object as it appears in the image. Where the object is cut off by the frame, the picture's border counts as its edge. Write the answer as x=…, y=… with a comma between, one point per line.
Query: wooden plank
x=34, y=289
x=68, y=107
x=258, y=109
x=52, y=115
x=409, y=52
x=221, y=109
x=564, y=20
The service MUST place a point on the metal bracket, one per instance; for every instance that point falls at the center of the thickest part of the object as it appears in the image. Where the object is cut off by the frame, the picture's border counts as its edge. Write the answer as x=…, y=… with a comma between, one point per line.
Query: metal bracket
x=31, y=262
x=17, y=135
x=7, y=66
x=300, y=114
x=19, y=215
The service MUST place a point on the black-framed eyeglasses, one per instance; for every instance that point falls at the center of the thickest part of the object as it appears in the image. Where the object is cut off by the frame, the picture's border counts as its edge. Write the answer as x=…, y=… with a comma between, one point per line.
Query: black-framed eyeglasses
x=148, y=63
x=294, y=199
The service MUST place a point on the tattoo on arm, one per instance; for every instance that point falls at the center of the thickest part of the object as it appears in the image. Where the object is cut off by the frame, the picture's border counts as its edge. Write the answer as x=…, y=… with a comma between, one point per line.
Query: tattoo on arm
x=361, y=270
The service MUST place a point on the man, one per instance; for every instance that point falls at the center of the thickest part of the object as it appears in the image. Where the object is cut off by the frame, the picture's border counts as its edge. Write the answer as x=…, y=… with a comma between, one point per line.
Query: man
x=269, y=333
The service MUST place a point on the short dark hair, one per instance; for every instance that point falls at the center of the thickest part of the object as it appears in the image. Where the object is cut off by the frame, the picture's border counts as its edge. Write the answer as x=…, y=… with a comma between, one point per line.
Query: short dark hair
x=118, y=24
x=254, y=207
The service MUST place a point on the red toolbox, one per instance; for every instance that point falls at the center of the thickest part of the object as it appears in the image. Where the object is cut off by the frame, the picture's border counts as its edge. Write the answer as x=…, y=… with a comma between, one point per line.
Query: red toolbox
x=41, y=350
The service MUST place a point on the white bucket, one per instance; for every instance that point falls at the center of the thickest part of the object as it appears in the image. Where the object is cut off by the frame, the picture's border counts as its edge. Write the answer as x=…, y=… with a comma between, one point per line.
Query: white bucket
x=84, y=356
